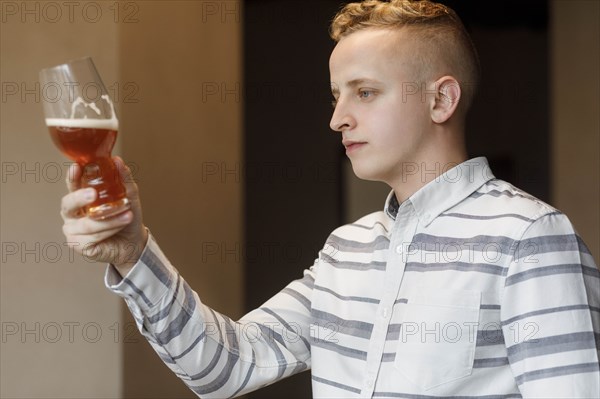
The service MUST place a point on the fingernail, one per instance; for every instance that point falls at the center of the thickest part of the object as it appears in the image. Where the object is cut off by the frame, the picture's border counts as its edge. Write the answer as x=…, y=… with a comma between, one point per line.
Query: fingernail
x=89, y=193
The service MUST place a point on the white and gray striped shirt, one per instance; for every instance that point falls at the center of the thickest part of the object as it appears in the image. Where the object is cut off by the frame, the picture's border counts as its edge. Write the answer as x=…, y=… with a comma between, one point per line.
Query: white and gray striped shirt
x=470, y=288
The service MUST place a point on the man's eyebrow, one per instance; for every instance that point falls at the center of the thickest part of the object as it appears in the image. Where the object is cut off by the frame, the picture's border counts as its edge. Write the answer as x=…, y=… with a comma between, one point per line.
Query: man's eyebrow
x=354, y=83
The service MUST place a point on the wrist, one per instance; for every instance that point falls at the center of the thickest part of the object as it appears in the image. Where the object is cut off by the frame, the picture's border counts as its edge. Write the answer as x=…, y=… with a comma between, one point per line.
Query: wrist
x=123, y=269
x=125, y=265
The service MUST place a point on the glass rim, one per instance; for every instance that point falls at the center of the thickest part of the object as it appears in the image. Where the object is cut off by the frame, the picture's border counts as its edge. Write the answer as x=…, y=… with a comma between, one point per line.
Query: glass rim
x=70, y=61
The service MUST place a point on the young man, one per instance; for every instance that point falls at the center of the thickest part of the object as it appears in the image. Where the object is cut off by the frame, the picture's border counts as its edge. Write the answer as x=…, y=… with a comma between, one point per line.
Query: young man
x=444, y=293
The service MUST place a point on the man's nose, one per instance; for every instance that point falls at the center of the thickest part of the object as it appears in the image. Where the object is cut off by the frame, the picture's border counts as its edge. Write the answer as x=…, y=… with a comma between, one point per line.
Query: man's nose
x=341, y=119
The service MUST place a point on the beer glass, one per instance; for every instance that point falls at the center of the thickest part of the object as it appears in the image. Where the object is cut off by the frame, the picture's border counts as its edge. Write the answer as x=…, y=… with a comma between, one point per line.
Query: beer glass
x=83, y=125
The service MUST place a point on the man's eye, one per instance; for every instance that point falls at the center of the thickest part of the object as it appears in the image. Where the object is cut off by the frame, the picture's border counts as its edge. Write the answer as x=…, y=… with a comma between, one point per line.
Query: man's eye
x=365, y=93
x=333, y=103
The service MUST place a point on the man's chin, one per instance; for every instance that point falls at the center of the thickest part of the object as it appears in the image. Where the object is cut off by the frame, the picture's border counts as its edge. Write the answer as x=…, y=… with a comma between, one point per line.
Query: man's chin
x=365, y=173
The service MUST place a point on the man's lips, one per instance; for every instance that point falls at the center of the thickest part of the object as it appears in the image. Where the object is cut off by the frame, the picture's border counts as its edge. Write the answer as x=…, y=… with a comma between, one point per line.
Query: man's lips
x=353, y=144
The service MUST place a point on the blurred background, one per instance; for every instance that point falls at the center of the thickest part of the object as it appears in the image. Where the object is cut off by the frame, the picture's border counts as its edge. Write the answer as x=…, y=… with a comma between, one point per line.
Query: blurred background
x=224, y=119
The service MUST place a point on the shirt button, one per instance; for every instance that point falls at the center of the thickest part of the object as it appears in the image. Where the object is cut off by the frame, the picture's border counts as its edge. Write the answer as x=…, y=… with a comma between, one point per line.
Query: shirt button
x=384, y=313
x=370, y=383
x=399, y=249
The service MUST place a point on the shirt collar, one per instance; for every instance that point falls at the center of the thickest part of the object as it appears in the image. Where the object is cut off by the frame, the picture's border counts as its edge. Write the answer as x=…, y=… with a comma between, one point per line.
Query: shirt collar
x=445, y=191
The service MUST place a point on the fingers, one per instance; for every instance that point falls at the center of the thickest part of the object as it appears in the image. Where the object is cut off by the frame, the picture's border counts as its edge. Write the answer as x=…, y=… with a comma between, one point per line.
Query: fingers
x=72, y=203
x=130, y=186
x=75, y=172
x=96, y=230
x=126, y=176
x=93, y=239
x=73, y=179
x=101, y=240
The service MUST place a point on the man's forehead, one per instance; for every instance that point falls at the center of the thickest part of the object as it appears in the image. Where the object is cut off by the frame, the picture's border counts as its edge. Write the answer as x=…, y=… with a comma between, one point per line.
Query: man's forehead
x=369, y=46
x=369, y=40
x=371, y=54
x=363, y=61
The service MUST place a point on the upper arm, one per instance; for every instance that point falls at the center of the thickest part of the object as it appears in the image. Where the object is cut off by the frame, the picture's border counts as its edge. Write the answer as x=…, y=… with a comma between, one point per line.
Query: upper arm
x=550, y=312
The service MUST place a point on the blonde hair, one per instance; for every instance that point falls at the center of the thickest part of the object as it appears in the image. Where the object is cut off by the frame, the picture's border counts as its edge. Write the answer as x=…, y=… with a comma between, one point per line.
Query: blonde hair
x=443, y=37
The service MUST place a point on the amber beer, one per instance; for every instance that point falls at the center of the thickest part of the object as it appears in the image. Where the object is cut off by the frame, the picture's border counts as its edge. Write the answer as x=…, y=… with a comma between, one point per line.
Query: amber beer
x=89, y=142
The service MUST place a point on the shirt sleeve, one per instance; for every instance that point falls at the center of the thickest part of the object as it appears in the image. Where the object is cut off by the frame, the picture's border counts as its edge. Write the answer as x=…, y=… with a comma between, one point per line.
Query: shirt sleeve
x=550, y=312
x=215, y=356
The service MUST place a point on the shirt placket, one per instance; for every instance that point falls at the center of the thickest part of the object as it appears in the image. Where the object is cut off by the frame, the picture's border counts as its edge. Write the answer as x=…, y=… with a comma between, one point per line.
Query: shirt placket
x=402, y=235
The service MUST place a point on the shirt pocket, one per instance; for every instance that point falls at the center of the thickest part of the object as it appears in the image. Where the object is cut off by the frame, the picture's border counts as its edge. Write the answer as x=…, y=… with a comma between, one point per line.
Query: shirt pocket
x=438, y=336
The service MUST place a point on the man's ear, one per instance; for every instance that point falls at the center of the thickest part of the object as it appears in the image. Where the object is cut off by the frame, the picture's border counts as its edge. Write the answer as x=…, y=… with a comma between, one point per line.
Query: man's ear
x=446, y=99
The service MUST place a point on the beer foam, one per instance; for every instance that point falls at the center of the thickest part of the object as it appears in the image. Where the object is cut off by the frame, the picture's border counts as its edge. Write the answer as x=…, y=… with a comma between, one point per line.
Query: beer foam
x=80, y=101
x=109, y=124
x=87, y=123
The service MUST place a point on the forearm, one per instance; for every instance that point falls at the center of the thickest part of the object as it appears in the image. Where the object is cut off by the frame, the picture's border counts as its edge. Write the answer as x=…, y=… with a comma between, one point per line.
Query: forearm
x=213, y=355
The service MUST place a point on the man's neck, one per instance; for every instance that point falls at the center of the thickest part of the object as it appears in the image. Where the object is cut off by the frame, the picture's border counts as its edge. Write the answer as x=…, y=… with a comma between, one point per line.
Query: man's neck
x=415, y=175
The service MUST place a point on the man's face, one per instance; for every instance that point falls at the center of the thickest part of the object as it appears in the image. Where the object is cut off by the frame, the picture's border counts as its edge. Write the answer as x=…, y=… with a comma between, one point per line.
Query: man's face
x=372, y=78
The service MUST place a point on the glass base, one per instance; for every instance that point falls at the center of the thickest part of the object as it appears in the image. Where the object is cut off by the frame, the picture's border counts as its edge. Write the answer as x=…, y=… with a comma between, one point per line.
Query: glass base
x=109, y=209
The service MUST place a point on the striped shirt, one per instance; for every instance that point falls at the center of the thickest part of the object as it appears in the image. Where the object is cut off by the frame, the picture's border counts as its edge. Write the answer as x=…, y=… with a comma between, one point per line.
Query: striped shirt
x=469, y=288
